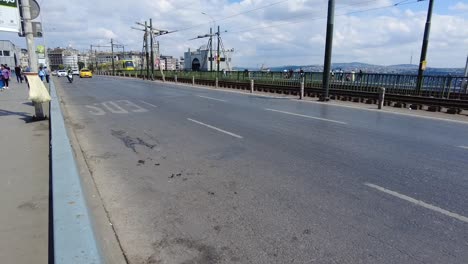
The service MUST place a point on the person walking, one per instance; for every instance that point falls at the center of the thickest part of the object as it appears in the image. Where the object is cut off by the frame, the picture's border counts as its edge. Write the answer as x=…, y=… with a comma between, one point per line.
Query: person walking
x=47, y=74
x=2, y=83
x=6, y=75
x=25, y=77
x=41, y=73
x=18, y=73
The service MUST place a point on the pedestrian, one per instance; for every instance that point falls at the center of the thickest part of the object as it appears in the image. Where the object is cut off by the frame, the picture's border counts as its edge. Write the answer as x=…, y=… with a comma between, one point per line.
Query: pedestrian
x=47, y=74
x=41, y=73
x=2, y=83
x=6, y=75
x=360, y=74
x=26, y=69
x=18, y=73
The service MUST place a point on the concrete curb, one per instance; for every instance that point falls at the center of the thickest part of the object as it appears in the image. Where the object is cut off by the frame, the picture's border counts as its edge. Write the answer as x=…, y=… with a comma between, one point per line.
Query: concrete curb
x=74, y=240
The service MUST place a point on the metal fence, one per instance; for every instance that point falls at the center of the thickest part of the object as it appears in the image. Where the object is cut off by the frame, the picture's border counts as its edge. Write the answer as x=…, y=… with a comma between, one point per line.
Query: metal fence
x=433, y=86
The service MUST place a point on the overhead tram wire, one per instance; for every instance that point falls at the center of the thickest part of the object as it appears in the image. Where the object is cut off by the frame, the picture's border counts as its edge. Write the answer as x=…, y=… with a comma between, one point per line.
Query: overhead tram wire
x=401, y=3
x=317, y=18
x=260, y=8
x=306, y=14
x=231, y=16
x=252, y=10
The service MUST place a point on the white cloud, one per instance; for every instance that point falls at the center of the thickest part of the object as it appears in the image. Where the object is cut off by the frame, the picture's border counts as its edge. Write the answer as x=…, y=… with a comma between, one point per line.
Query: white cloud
x=292, y=32
x=459, y=7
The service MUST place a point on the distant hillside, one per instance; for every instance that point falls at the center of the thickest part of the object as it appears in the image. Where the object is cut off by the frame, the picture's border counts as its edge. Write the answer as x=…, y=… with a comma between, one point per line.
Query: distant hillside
x=370, y=68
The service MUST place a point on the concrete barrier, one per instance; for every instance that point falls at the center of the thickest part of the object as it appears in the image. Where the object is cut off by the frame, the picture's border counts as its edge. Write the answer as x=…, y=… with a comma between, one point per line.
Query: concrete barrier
x=73, y=240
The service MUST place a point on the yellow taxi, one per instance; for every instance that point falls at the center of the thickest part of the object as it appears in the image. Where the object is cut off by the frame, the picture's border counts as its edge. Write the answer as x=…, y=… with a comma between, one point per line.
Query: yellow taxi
x=85, y=73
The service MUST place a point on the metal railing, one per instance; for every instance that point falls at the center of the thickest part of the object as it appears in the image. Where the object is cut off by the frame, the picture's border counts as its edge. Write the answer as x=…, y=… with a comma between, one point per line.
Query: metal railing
x=401, y=84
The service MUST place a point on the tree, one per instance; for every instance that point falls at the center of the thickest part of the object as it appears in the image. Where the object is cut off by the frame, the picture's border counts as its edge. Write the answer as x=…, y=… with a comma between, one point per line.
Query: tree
x=81, y=65
x=91, y=67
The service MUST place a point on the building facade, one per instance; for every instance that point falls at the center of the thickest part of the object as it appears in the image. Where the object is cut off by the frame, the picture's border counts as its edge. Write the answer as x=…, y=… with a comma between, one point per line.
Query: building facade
x=181, y=64
x=63, y=57
x=55, y=58
x=105, y=57
x=168, y=63
x=199, y=60
x=70, y=58
x=84, y=58
x=10, y=54
x=24, y=58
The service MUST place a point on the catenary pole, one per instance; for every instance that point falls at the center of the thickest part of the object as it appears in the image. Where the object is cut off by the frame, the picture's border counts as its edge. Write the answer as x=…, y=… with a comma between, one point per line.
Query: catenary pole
x=425, y=45
x=328, y=50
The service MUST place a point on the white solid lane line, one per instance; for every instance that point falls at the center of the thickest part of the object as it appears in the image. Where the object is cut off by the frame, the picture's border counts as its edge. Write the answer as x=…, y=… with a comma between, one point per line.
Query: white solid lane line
x=215, y=128
x=463, y=147
x=211, y=98
x=420, y=203
x=306, y=116
x=146, y=103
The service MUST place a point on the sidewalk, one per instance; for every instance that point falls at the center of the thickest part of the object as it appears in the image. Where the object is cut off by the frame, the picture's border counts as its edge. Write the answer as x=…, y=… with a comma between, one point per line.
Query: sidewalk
x=24, y=176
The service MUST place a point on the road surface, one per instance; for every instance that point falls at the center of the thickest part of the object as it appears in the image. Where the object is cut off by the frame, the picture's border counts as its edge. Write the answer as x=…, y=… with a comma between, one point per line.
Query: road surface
x=192, y=175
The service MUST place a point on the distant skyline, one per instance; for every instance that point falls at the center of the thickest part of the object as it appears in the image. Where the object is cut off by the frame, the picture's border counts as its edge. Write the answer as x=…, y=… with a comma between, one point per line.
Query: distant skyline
x=273, y=33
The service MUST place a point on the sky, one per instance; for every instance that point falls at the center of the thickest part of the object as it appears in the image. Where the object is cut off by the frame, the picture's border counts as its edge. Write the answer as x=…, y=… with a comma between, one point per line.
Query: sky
x=269, y=33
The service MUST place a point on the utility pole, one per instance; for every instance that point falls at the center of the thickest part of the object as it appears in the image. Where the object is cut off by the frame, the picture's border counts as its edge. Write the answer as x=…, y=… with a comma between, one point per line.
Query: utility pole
x=152, y=49
x=91, y=54
x=211, y=49
x=423, y=62
x=218, y=58
x=146, y=50
x=328, y=50
x=151, y=34
x=466, y=67
x=158, y=55
x=95, y=56
x=112, y=51
x=28, y=32
x=465, y=81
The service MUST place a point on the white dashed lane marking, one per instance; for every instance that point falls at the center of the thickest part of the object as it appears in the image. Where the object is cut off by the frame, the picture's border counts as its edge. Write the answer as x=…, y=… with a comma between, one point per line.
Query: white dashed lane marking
x=419, y=203
x=215, y=128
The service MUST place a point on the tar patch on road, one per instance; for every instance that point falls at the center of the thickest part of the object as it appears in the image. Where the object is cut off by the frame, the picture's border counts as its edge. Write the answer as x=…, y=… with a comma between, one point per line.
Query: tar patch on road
x=182, y=250
x=131, y=142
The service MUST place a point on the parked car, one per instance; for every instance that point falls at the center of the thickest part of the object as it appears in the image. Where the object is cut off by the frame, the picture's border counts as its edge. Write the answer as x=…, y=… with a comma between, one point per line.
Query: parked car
x=61, y=73
x=85, y=73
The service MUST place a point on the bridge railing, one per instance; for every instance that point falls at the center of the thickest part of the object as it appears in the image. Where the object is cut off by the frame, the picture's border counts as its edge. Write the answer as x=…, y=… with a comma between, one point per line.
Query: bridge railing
x=403, y=84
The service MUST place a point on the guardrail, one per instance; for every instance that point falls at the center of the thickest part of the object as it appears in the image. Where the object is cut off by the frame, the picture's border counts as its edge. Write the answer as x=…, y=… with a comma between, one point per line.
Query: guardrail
x=73, y=236
x=356, y=91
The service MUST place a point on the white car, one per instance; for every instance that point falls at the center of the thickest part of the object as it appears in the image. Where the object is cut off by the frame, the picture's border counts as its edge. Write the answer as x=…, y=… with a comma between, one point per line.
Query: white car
x=76, y=72
x=61, y=73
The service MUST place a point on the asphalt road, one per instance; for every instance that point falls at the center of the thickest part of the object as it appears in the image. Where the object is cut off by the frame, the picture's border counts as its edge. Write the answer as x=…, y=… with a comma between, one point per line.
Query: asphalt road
x=193, y=175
